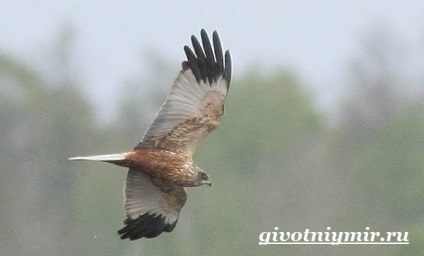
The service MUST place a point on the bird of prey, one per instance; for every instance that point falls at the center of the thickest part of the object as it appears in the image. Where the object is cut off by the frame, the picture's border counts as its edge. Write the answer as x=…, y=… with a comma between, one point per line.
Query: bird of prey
x=161, y=165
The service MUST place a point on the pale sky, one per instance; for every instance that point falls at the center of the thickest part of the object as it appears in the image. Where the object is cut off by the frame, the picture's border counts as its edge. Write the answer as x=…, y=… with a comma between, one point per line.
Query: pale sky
x=314, y=38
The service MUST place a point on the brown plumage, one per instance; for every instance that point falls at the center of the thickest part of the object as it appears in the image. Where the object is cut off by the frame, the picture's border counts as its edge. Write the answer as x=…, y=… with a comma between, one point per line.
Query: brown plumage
x=161, y=165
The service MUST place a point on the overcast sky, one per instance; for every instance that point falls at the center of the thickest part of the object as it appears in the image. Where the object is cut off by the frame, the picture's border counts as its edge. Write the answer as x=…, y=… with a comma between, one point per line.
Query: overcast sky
x=316, y=38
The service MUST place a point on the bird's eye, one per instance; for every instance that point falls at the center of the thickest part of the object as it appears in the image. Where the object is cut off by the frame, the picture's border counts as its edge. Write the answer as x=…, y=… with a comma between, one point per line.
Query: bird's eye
x=204, y=176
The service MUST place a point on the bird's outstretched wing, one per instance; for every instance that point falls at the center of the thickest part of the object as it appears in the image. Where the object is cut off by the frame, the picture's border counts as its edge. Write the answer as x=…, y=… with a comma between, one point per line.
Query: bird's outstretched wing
x=195, y=105
x=151, y=206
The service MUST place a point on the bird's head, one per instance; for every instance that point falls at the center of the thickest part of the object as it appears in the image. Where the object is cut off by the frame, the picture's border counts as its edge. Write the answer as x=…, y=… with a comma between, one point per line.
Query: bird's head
x=202, y=178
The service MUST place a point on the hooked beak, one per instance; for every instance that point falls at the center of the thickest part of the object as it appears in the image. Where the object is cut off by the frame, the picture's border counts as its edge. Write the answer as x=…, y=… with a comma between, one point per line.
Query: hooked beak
x=208, y=182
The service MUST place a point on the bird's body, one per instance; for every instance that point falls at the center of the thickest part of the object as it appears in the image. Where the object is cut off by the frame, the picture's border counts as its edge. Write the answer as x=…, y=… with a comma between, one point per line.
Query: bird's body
x=175, y=168
x=161, y=165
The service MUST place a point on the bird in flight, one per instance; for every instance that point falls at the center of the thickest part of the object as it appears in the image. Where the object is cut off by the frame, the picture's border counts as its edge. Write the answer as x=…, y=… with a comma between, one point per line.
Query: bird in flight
x=161, y=165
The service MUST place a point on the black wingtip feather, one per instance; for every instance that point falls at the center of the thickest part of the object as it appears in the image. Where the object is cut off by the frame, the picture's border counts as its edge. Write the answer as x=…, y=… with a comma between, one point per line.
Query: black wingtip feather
x=206, y=63
x=145, y=226
x=192, y=61
x=218, y=50
x=227, y=70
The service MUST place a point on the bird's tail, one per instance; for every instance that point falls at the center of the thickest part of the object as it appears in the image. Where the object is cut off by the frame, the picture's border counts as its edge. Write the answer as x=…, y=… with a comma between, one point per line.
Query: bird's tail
x=110, y=158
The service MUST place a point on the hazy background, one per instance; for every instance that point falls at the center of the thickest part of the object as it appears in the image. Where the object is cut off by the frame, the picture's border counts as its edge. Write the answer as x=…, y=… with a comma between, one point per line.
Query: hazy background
x=324, y=123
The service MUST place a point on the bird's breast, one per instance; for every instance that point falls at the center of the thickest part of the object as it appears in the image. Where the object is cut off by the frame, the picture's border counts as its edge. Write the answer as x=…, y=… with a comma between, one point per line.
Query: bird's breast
x=162, y=164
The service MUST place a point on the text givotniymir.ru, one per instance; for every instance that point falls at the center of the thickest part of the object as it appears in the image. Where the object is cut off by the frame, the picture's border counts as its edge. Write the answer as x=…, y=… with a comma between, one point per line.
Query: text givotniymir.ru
x=331, y=237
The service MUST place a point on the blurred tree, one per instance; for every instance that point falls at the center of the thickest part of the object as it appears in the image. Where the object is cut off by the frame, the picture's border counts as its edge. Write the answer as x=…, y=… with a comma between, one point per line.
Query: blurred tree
x=41, y=124
x=378, y=145
x=270, y=127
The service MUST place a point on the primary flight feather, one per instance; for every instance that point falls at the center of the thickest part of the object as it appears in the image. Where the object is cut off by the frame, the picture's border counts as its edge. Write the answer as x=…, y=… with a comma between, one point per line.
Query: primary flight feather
x=161, y=165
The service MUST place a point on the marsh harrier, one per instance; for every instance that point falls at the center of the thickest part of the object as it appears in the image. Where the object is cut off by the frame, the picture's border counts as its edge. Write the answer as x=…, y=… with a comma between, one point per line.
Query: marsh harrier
x=161, y=165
